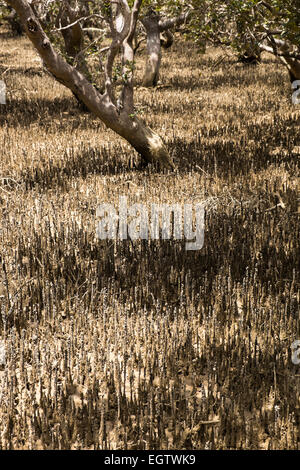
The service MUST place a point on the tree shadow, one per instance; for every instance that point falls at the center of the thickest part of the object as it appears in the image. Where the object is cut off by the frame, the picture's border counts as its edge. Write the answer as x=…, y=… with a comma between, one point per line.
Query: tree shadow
x=239, y=76
x=218, y=153
x=27, y=71
x=105, y=160
x=23, y=112
x=151, y=272
x=212, y=151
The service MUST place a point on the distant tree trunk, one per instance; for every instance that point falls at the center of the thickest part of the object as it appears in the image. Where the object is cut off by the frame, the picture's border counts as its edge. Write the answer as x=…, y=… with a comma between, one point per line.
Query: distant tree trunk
x=250, y=53
x=151, y=75
x=119, y=116
x=73, y=39
x=15, y=23
x=166, y=39
x=158, y=35
x=283, y=51
x=250, y=56
x=73, y=36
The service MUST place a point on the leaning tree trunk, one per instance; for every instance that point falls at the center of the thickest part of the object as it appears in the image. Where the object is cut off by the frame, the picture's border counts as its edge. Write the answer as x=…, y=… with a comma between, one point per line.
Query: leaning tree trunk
x=151, y=24
x=292, y=64
x=122, y=120
x=145, y=141
x=73, y=39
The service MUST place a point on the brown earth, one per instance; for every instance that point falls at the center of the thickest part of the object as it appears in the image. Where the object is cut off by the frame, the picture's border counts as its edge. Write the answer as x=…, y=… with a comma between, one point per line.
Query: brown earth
x=144, y=345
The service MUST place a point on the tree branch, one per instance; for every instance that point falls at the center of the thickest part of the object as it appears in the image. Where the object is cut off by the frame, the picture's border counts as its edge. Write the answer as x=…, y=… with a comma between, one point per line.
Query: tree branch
x=65, y=73
x=126, y=98
x=172, y=22
x=83, y=18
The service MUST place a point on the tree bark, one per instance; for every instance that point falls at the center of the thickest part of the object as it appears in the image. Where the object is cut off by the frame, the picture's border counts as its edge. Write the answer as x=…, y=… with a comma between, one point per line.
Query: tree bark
x=73, y=36
x=146, y=142
x=15, y=23
x=122, y=120
x=151, y=25
x=154, y=27
x=166, y=39
x=73, y=39
x=293, y=67
x=282, y=50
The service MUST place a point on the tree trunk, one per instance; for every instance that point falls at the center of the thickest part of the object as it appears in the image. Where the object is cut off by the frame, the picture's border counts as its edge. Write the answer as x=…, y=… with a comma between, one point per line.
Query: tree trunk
x=73, y=36
x=146, y=142
x=73, y=39
x=293, y=66
x=251, y=56
x=151, y=25
x=143, y=139
x=283, y=50
x=154, y=28
x=249, y=51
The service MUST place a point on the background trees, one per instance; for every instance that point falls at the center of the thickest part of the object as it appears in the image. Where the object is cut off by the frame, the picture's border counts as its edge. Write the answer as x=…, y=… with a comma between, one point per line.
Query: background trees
x=157, y=18
x=9, y=15
x=251, y=26
x=247, y=26
x=117, y=112
x=90, y=46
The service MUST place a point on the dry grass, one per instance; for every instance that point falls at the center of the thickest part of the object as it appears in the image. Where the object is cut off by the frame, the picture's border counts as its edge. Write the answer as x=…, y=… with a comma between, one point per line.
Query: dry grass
x=144, y=345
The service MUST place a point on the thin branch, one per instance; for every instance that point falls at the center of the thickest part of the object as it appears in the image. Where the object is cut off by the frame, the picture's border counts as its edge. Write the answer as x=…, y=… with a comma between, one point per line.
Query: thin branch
x=134, y=17
x=171, y=22
x=83, y=18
